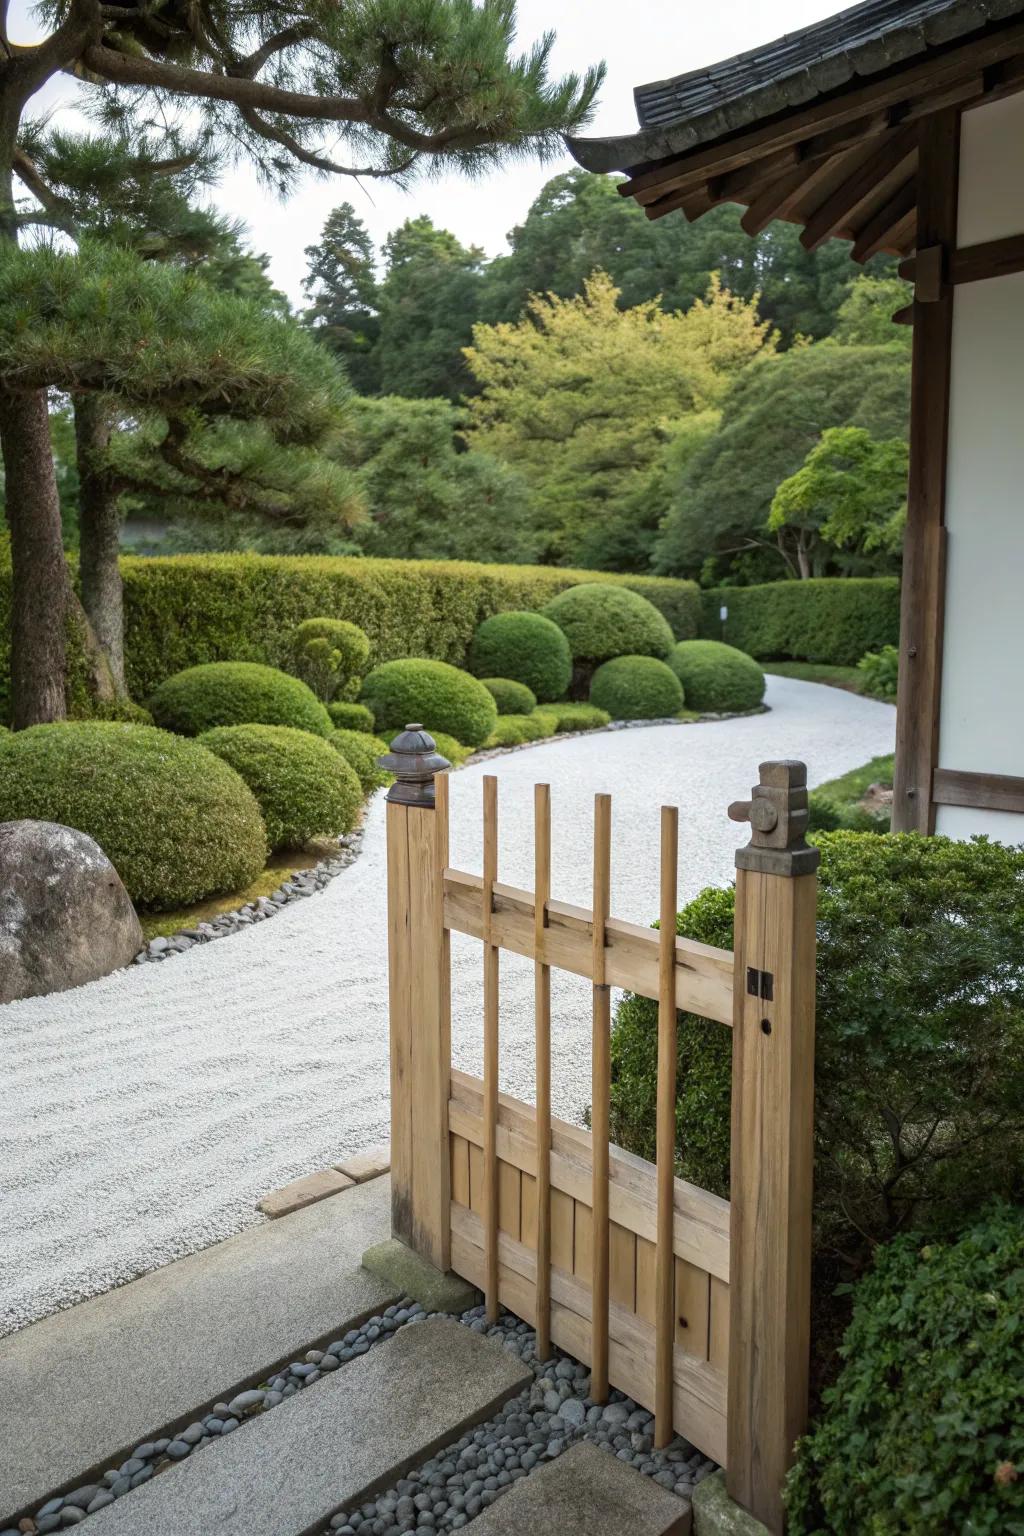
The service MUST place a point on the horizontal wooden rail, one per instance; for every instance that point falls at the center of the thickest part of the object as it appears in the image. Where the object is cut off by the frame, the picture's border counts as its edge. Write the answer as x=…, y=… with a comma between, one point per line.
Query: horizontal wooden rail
x=701, y=1226
x=704, y=975
x=978, y=791
x=699, y=1387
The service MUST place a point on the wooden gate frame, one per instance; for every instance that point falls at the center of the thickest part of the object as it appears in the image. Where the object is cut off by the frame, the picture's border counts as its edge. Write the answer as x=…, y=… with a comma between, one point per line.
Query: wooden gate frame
x=765, y=989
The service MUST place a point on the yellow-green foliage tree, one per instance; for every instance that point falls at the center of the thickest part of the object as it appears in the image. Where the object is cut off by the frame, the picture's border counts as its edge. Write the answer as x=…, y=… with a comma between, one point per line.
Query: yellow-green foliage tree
x=581, y=397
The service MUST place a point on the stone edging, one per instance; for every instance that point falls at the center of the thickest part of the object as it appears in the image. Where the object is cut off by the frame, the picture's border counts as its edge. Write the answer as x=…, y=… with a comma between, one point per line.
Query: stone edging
x=309, y=882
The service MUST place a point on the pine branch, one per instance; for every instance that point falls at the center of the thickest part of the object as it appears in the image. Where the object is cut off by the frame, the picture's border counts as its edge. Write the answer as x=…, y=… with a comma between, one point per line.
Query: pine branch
x=278, y=135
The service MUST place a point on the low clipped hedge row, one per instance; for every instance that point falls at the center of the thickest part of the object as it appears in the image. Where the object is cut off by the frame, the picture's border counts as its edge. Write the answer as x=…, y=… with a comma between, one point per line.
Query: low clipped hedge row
x=827, y=619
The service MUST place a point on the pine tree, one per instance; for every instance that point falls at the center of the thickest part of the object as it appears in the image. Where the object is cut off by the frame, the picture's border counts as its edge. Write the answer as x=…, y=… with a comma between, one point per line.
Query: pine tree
x=342, y=284
x=399, y=81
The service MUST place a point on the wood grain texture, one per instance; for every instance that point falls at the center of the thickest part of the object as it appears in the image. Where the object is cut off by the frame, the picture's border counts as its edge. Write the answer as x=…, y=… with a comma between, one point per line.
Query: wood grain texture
x=979, y=791
x=631, y=957
x=542, y=1046
x=772, y=1163
x=976, y=263
x=492, y=956
x=600, y=1097
x=666, y=1125
x=924, y=549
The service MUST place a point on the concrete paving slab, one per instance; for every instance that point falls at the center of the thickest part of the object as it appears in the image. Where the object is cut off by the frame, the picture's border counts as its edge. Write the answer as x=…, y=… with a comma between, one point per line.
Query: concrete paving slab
x=585, y=1492
x=82, y=1388
x=354, y=1433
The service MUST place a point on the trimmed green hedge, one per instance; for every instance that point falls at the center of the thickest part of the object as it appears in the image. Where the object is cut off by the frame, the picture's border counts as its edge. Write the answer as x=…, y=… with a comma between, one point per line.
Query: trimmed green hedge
x=236, y=693
x=303, y=788
x=512, y=698
x=636, y=688
x=432, y=693
x=176, y=822
x=923, y=1431
x=576, y=717
x=830, y=619
x=361, y=752
x=526, y=647
x=351, y=717
x=515, y=730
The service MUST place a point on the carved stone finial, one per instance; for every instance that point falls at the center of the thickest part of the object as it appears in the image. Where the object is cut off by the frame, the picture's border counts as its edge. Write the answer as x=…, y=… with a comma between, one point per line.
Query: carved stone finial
x=778, y=817
x=413, y=760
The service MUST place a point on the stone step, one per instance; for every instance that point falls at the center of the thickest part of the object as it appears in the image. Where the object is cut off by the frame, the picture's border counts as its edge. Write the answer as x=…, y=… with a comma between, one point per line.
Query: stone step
x=585, y=1492
x=354, y=1433
x=82, y=1388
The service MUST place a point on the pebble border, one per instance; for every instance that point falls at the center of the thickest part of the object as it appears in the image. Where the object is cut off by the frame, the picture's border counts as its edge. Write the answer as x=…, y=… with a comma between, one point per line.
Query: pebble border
x=448, y=1490
x=309, y=882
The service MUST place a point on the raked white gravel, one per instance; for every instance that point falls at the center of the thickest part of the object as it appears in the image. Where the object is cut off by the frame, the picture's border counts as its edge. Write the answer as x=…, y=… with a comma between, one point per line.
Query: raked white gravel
x=143, y=1116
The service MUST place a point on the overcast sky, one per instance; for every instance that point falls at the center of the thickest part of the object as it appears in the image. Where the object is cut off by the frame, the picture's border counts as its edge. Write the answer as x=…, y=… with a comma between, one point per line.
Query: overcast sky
x=640, y=40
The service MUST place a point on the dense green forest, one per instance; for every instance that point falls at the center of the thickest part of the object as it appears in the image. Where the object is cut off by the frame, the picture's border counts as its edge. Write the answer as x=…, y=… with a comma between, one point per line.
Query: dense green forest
x=613, y=393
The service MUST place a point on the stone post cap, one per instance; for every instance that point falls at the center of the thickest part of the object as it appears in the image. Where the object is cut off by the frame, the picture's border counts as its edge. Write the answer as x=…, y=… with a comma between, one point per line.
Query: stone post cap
x=777, y=812
x=414, y=760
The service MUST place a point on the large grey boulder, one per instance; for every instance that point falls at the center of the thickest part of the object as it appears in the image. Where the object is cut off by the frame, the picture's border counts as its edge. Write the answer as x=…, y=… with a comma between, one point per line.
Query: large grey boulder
x=65, y=917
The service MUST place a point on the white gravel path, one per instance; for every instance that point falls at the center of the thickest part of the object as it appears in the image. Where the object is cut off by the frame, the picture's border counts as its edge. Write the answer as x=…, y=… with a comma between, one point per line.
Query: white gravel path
x=142, y=1116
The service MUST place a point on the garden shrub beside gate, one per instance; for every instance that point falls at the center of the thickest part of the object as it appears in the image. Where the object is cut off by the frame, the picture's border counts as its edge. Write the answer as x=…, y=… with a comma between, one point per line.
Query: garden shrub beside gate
x=827, y=619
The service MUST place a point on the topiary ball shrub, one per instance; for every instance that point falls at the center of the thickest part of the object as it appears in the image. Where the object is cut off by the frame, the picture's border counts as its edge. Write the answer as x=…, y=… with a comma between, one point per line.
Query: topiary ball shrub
x=922, y=1431
x=636, y=688
x=716, y=678
x=453, y=750
x=329, y=654
x=348, y=716
x=304, y=788
x=516, y=730
x=526, y=647
x=361, y=752
x=919, y=1053
x=236, y=693
x=438, y=696
x=601, y=621
x=511, y=698
x=176, y=822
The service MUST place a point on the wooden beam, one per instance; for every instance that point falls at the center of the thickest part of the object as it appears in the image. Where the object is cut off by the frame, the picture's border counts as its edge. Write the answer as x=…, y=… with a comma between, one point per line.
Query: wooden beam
x=918, y=89
x=780, y=199
x=978, y=791
x=924, y=551
x=894, y=155
x=879, y=231
x=975, y=263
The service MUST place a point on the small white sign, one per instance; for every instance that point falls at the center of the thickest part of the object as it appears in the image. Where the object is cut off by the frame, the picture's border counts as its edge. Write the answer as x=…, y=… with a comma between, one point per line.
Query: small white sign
x=723, y=613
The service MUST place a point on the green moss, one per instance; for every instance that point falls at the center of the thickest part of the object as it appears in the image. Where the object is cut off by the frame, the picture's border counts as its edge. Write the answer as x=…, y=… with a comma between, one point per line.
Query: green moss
x=176, y=822
x=432, y=694
x=303, y=787
x=236, y=693
x=602, y=621
x=636, y=688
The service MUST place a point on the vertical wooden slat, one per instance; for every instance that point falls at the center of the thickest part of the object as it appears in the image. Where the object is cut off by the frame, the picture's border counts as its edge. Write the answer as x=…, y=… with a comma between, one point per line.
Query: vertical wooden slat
x=563, y=1217
x=600, y=1087
x=477, y=1196
x=509, y=1199
x=528, y=1222
x=400, y=1016
x=622, y=1267
x=692, y=1309
x=542, y=1030
x=460, y=1170
x=491, y=962
x=718, y=1329
x=666, y=1128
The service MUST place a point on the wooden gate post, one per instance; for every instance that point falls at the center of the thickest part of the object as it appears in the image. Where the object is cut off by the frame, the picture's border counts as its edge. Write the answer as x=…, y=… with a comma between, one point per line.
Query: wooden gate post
x=772, y=1140
x=419, y=989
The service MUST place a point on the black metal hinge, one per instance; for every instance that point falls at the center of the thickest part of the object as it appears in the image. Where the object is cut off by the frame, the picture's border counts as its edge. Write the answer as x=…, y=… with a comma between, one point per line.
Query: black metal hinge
x=760, y=984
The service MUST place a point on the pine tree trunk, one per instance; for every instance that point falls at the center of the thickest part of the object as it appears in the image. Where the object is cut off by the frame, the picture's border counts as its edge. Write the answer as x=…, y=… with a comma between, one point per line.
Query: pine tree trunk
x=100, y=534
x=41, y=585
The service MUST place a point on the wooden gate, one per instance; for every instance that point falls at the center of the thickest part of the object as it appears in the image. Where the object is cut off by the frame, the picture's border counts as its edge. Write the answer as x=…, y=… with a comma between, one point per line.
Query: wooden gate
x=695, y=1306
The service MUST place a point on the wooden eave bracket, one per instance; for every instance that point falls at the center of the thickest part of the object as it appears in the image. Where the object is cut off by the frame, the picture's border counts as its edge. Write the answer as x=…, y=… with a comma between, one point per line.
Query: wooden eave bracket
x=930, y=275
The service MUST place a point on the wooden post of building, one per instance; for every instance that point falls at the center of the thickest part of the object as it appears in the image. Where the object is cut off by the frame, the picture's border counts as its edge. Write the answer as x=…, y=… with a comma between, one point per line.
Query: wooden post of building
x=419, y=980
x=772, y=1141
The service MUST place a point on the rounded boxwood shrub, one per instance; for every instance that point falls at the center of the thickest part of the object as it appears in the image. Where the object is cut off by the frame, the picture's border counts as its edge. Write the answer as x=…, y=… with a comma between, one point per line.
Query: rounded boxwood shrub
x=329, y=654
x=526, y=647
x=361, y=752
x=236, y=693
x=432, y=693
x=716, y=678
x=636, y=688
x=349, y=716
x=304, y=789
x=919, y=1052
x=453, y=750
x=922, y=1431
x=601, y=621
x=176, y=822
x=511, y=698
x=514, y=730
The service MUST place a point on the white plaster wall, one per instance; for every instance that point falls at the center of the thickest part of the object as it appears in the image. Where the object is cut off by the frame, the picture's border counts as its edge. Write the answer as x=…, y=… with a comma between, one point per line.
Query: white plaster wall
x=992, y=171
x=982, y=718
